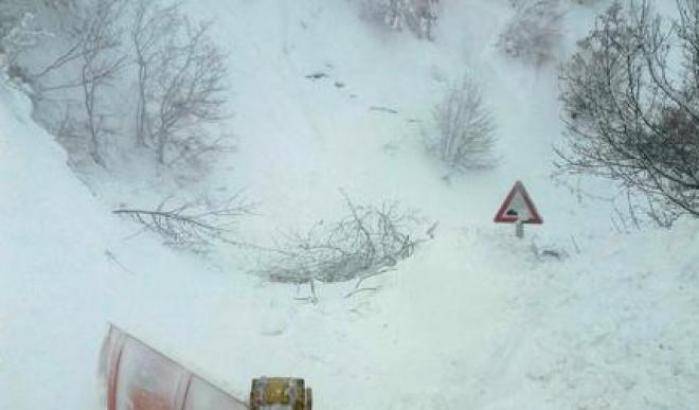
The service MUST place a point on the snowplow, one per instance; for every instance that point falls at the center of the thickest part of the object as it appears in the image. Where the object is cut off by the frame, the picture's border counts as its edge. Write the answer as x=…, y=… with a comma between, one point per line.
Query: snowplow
x=138, y=377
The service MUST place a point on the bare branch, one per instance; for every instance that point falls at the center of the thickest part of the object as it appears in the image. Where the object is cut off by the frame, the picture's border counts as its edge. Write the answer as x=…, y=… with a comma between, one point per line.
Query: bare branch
x=193, y=225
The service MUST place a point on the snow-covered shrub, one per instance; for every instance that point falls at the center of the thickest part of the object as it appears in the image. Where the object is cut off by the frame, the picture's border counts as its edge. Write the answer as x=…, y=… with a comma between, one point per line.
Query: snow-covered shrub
x=463, y=138
x=418, y=16
x=365, y=242
x=16, y=35
x=631, y=107
x=533, y=31
x=19, y=30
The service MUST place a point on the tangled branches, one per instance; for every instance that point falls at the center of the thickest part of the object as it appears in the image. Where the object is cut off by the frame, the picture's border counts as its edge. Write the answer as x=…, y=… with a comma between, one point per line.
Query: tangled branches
x=368, y=241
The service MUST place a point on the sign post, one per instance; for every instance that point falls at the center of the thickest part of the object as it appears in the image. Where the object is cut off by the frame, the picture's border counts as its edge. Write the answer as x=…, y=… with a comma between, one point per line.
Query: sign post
x=518, y=208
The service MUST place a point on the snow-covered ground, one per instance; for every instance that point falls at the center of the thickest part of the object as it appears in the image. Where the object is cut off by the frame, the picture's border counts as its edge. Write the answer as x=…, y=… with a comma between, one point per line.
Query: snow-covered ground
x=476, y=319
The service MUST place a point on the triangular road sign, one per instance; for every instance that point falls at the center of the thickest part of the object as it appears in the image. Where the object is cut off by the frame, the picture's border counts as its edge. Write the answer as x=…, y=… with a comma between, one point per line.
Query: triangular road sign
x=518, y=207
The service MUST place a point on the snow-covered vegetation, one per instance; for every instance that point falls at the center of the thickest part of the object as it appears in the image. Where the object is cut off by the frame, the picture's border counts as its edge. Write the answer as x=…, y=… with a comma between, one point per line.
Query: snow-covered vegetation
x=534, y=31
x=419, y=16
x=328, y=245
x=122, y=83
x=631, y=106
x=463, y=138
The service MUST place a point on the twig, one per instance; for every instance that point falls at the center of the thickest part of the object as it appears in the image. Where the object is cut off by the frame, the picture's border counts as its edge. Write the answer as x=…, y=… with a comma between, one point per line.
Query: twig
x=114, y=259
x=355, y=291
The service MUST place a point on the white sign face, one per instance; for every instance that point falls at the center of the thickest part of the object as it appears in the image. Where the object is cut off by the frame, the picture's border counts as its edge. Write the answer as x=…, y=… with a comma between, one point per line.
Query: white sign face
x=518, y=207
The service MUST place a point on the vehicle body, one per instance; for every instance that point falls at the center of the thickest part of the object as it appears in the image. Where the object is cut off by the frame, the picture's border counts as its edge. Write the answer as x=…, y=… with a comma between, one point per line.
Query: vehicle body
x=280, y=393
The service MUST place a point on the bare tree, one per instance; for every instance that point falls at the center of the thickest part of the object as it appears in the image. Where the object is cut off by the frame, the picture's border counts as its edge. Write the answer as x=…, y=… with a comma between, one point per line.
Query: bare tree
x=464, y=129
x=186, y=93
x=151, y=26
x=100, y=63
x=179, y=79
x=631, y=115
x=94, y=52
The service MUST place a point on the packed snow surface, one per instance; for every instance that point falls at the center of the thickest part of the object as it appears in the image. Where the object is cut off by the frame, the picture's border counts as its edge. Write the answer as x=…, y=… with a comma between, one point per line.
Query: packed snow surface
x=575, y=316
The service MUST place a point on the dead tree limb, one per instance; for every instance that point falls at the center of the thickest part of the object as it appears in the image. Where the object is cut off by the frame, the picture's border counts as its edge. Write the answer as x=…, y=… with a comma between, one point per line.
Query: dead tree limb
x=194, y=225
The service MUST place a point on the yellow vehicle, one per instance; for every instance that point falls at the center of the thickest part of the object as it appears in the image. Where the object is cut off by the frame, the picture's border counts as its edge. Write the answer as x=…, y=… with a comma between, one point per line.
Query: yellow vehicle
x=280, y=393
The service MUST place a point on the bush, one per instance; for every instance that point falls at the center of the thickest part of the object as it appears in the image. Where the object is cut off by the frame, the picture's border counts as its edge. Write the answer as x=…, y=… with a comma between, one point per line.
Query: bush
x=463, y=138
x=533, y=31
x=17, y=35
x=418, y=16
x=632, y=111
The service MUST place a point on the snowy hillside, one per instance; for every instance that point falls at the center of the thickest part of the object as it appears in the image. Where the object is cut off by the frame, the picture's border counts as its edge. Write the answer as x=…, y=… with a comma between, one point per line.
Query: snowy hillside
x=574, y=316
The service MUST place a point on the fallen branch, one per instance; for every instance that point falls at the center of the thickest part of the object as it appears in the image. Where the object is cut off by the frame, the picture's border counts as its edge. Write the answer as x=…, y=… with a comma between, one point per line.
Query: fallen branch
x=368, y=241
x=192, y=225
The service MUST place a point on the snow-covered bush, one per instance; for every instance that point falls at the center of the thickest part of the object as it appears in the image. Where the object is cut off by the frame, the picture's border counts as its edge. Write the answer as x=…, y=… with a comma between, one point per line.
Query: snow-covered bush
x=19, y=30
x=17, y=34
x=533, y=31
x=463, y=138
x=631, y=107
x=418, y=16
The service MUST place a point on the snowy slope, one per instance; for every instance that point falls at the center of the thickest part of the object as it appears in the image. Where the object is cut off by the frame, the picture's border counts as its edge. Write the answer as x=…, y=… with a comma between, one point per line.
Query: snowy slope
x=52, y=267
x=67, y=271
x=476, y=319
x=302, y=139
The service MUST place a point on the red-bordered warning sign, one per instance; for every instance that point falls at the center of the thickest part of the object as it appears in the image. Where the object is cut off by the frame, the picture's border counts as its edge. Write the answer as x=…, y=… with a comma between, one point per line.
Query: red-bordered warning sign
x=518, y=207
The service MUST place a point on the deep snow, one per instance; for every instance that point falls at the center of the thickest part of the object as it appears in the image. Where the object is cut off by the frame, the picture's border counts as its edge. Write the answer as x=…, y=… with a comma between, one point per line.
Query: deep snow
x=476, y=319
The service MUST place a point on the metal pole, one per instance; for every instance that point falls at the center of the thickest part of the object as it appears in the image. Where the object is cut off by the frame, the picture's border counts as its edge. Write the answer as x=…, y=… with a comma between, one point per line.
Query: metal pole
x=519, y=229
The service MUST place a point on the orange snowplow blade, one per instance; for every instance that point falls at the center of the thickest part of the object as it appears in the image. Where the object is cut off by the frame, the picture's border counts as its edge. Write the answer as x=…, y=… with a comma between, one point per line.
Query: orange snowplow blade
x=140, y=378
